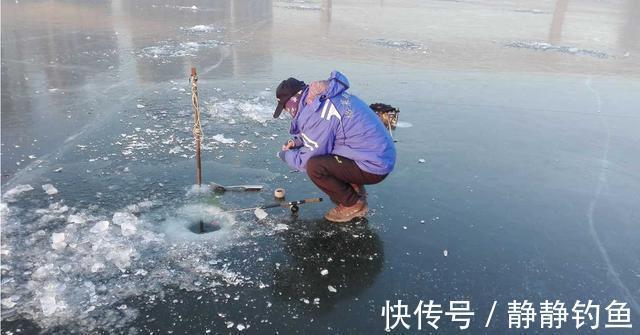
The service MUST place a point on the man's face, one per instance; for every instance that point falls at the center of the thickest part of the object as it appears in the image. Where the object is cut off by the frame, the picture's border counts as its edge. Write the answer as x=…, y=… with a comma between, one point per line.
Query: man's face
x=291, y=106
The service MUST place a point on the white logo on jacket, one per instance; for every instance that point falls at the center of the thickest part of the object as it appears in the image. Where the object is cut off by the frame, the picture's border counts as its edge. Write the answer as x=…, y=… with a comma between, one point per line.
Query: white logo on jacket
x=329, y=110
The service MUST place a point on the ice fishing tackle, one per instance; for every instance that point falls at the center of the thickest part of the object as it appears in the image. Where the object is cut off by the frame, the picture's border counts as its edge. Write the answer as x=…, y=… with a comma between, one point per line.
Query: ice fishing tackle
x=293, y=205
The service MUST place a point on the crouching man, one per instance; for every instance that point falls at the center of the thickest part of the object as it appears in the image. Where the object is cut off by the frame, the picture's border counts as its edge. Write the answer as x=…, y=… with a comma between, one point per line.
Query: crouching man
x=338, y=140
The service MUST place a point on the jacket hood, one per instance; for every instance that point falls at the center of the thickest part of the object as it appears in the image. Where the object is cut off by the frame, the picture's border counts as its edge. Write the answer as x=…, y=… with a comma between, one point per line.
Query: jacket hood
x=338, y=83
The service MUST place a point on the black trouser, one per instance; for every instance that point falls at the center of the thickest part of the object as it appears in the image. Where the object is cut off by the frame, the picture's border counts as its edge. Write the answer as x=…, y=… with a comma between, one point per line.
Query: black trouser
x=335, y=174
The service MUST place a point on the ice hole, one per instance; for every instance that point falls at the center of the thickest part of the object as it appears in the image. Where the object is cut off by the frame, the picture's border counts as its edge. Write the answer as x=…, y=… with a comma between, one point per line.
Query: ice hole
x=203, y=227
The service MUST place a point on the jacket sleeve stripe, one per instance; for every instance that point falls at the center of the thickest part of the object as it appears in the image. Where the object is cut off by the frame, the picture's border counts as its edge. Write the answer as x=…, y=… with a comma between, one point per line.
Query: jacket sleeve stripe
x=309, y=143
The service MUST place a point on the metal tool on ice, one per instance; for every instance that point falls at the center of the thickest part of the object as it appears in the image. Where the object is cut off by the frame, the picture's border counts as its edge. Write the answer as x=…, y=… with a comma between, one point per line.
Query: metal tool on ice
x=220, y=188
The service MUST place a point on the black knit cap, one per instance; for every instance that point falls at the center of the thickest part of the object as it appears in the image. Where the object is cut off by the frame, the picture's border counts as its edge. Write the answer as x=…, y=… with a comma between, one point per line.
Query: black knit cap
x=285, y=91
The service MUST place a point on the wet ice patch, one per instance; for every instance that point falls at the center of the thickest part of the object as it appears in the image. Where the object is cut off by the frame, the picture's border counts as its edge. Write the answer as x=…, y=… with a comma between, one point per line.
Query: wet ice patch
x=544, y=46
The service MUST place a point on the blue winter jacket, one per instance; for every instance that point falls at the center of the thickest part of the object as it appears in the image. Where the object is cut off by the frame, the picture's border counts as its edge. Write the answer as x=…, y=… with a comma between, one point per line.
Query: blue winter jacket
x=339, y=123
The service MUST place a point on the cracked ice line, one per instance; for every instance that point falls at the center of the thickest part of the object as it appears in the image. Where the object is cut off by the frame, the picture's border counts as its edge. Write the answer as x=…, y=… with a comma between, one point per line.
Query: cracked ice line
x=602, y=179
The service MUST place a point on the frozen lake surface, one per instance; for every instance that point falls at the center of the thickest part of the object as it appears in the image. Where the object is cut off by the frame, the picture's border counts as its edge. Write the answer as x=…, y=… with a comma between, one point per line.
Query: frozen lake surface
x=518, y=173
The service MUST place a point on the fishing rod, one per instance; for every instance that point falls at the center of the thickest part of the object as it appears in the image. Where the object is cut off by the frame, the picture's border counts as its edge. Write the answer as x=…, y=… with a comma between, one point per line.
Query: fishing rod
x=293, y=205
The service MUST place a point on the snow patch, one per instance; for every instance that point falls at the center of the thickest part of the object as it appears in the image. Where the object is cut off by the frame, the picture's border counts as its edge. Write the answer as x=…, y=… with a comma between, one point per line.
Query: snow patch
x=202, y=28
x=544, y=46
x=221, y=139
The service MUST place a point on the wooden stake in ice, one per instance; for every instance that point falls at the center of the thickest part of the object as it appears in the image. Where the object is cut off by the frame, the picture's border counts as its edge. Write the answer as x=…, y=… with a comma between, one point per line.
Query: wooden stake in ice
x=197, y=129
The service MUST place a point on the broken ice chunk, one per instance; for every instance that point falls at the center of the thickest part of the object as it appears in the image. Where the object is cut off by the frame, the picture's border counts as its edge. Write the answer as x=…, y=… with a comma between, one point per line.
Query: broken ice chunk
x=49, y=189
x=220, y=138
x=260, y=213
x=100, y=227
x=12, y=194
x=324, y=272
x=10, y=302
x=49, y=298
x=281, y=226
x=126, y=221
x=57, y=241
x=421, y=160
x=76, y=218
x=332, y=289
x=140, y=106
x=97, y=267
x=121, y=258
x=176, y=150
x=445, y=253
x=48, y=304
